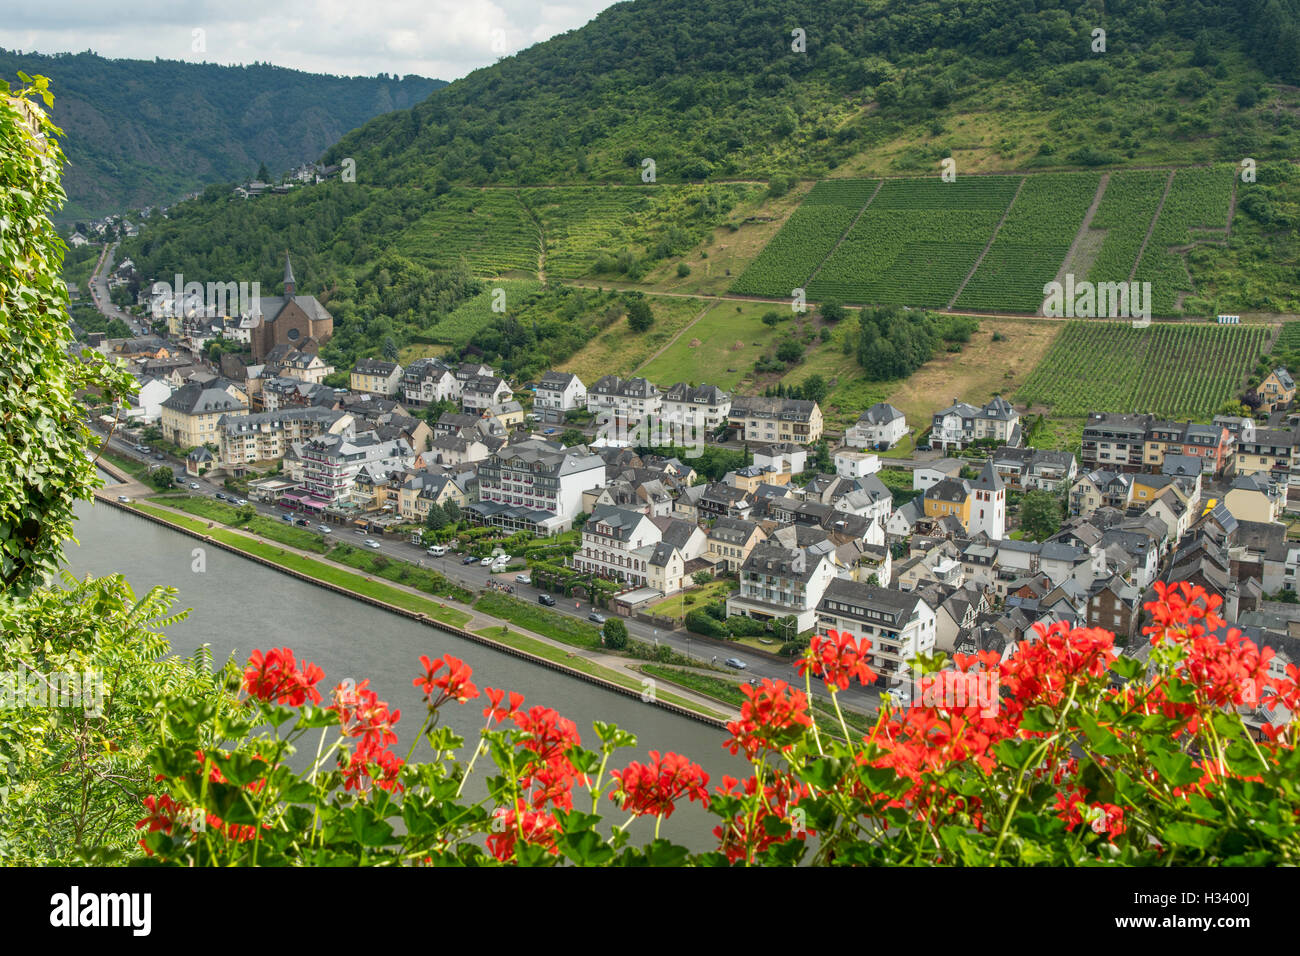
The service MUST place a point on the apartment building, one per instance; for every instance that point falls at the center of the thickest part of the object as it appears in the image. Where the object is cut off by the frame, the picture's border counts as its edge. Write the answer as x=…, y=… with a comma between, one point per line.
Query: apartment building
x=618, y=544
x=961, y=424
x=190, y=415
x=730, y=542
x=376, y=377
x=429, y=380
x=881, y=426
x=700, y=409
x=761, y=419
x=1211, y=445
x=331, y=463
x=624, y=401
x=899, y=625
x=777, y=582
x=558, y=393
x=245, y=440
x=1114, y=442
x=535, y=485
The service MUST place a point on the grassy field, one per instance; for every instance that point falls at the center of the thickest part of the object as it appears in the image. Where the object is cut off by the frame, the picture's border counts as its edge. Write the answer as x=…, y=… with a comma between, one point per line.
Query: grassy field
x=721, y=348
x=533, y=617
x=619, y=351
x=280, y=531
x=696, y=597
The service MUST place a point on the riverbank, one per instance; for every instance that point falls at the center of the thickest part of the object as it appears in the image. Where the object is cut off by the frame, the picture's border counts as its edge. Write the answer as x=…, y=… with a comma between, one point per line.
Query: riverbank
x=595, y=667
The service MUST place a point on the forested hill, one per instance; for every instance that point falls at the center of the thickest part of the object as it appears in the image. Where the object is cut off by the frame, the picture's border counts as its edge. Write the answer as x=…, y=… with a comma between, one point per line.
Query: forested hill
x=139, y=132
x=714, y=88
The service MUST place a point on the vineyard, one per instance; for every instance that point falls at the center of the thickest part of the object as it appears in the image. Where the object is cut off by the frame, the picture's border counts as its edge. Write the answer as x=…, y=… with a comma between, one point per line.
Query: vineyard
x=1288, y=340
x=499, y=232
x=459, y=326
x=914, y=241
x=807, y=237
x=1196, y=210
x=1171, y=370
x=1032, y=243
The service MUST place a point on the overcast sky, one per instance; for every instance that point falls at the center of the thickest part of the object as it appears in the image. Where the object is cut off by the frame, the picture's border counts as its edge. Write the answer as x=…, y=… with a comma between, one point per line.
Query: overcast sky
x=437, y=38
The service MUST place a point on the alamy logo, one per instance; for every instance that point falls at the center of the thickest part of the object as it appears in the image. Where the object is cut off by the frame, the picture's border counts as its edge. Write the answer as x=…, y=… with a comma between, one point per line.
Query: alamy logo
x=952, y=690
x=27, y=688
x=1098, y=300
x=652, y=431
x=103, y=909
x=217, y=298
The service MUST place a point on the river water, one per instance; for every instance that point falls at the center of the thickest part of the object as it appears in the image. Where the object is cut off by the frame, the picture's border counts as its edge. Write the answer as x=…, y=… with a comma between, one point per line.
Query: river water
x=238, y=605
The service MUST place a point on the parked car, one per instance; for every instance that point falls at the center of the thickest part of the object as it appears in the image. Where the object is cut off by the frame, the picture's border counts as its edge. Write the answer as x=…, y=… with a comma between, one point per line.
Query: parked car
x=469, y=559
x=546, y=599
x=549, y=431
x=486, y=562
x=304, y=522
x=358, y=530
x=123, y=498
x=596, y=617
x=437, y=551
x=372, y=543
x=324, y=529
x=287, y=518
x=502, y=559
x=523, y=579
x=220, y=496
x=735, y=662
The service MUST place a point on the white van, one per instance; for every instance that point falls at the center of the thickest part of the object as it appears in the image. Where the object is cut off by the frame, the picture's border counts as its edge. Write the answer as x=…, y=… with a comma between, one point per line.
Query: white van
x=437, y=551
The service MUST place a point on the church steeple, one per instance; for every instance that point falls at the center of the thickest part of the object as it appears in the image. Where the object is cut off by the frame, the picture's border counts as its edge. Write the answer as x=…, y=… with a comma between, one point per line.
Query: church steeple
x=289, y=285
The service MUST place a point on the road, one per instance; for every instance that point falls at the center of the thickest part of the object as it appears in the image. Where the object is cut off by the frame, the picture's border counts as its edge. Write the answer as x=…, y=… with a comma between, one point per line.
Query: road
x=99, y=293
x=475, y=577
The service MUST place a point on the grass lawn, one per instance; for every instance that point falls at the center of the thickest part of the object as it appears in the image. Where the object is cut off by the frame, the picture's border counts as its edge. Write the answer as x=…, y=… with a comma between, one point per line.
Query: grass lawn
x=696, y=597
x=315, y=568
x=281, y=531
x=541, y=649
x=402, y=572
x=136, y=469
x=721, y=348
x=534, y=617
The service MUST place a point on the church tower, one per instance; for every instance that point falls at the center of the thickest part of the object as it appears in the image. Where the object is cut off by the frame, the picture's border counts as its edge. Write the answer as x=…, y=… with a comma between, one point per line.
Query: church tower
x=988, y=508
x=289, y=285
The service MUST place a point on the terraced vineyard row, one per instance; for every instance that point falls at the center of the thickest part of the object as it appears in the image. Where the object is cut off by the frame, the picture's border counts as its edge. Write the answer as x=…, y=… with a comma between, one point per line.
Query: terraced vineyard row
x=916, y=242
x=489, y=229
x=806, y=239
x=1032, y=243
x=1172, y=370
x=1125, y=214
x=1198, y=200
x=1288, y=340
x=458, y=327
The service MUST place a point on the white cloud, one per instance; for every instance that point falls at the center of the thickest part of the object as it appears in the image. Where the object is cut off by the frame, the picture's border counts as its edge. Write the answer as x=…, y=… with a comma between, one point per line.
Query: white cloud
x=438, y=38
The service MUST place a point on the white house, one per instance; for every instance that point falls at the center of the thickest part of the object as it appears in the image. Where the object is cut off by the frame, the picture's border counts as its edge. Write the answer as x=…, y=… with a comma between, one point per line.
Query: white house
x=935, y=472
x=899, y=625
x=777, y=582
x=148, y=402
x=856, y=464
x=700, y=410
x=880, y=426
x=558, y=393
x=618, y=543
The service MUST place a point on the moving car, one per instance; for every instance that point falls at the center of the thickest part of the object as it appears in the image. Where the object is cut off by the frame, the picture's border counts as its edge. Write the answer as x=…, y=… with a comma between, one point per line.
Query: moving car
x=735, y=662
x=523, y=579
x=597, y=617
x=546, y=599
x=158, y=457
x=324, y=529
x=220, y=496
x=239, y=501
x=303, y=522
x=288, y=518
x=469, y=559
x=123, y=498
x=372, y=543
x=194, y=486
x=437, y=551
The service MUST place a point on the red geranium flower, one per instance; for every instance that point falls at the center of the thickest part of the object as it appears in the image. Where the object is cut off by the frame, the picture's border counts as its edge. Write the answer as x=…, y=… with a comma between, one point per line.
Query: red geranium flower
x=837, y=659
x=276, y=676
x=452, y=685
x=654, y=788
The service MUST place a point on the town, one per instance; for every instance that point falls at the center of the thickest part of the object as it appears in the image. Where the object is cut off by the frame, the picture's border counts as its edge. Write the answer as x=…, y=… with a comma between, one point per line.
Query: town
x=776, y=534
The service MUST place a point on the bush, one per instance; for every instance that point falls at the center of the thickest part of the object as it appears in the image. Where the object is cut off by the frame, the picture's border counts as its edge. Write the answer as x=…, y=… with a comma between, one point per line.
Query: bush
x=683, y=270
x=702, y=622
x=614, y=631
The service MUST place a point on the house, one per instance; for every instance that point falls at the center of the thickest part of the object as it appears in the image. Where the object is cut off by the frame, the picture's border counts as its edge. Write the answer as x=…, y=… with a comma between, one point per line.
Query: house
x=880, y=427
x=289, y=319
x=961, y=424
x=456, y=451
x=376, y=377
x=332, y=462
x=625, y=402
x=484, y=393
x=1100, y=489
x=900, y=626
x=289, y=362
x=721, y=500
x=1210, y=444
x=429, y=380
x=189, y=416
x=1255, y=498
x=535, y=485
x=781, y=458
x=948, y=497
x=146, y=408
x=856, y=464
x=421, y=490
x=198, y=462
x=1270, y=452
x=618, y=544
x=762, y=419
x=867, y=498
x=666, y=569
x=923, y=477
x=557, y=394
x=699, y=410
x=778, y=582
x=1276, y=391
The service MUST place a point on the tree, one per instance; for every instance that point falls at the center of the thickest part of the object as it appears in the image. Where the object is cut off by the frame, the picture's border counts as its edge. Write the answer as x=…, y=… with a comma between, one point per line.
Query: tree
x=390, y=348
x=789, y=351
x=832, y=311
x=571, y=436
x=452, y=510
x=771, y=318
x=436, y=519
x=615, y=633
x=814, y=389
x=639, y=315
x=263, y=174
x=701, y=577
x=1040, y=514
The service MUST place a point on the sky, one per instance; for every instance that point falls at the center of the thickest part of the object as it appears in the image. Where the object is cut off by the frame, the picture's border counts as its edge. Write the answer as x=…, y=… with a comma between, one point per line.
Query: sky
x=443, y=39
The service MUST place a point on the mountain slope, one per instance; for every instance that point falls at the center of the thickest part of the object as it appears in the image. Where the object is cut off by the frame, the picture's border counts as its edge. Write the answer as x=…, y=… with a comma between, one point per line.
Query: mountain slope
x=139, y=132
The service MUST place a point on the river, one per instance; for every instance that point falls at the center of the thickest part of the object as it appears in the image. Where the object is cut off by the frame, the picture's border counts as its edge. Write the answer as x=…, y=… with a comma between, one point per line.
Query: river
x=238, y=605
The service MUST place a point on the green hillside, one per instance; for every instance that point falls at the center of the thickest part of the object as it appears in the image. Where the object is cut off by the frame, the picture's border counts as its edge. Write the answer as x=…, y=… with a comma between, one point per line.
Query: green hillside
x=139, y=132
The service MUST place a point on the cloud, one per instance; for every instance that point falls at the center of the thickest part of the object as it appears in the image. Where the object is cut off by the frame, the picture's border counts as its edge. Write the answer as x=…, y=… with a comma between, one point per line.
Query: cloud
x=437, y=38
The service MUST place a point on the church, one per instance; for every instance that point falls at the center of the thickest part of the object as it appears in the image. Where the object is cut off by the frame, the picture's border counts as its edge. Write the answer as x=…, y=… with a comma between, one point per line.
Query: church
x=298, y=321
